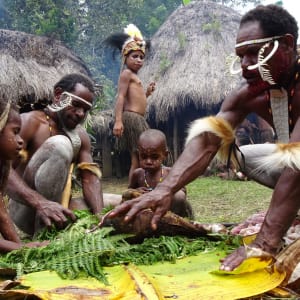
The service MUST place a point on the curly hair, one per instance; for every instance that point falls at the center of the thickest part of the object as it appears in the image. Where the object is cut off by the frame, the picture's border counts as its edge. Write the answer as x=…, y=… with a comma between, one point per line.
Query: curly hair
x=68, y=82
x=274, y=20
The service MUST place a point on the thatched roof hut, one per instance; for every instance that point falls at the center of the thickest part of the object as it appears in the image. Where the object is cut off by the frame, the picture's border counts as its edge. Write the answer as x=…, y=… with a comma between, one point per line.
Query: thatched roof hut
x=30, y=65
x=103, y=150
x=189, y=61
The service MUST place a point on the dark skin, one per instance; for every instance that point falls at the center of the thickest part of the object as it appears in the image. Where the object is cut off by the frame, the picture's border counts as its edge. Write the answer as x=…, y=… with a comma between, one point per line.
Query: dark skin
x=11, y=144
x=152, y=151
x=249, y=97
x=35, y=130
x=131, y=96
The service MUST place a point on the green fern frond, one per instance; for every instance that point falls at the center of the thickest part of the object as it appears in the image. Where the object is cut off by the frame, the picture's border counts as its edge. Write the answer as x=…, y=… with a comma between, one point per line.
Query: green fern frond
x=73, y=252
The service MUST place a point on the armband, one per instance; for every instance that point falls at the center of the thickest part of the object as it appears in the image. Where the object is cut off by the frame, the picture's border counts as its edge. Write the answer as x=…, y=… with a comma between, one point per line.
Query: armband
x=218, y=126
x=92, y=167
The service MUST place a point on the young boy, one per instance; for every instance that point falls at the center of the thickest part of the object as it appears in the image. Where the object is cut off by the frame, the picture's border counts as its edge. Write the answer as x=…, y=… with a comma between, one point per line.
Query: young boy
x=152, y=151
x=131, y=100
x=11, y=144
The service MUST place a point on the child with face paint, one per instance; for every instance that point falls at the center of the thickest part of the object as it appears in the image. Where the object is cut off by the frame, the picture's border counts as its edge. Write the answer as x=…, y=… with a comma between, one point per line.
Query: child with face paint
x=266, y=47
x=11, y=145
x=131, y=100
x=152, y=152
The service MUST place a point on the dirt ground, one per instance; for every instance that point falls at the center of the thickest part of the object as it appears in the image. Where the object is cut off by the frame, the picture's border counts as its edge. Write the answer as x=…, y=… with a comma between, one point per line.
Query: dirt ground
x=114, y=185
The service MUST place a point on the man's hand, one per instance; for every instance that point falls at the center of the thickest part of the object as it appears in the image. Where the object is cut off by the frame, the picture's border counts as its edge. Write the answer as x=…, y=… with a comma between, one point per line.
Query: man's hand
x=233, y=260
x=159, y=200
x=52, y=212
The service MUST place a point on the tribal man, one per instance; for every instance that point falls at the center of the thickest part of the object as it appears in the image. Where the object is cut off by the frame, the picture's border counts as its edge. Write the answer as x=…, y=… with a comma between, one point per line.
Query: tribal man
x=54, y=141
x=266, y=47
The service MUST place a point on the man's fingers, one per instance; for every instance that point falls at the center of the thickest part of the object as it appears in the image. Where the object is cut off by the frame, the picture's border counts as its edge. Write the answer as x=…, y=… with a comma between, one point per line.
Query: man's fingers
x=119, y=210
x=70, y=214
x=134, y=209
x=233, y=260
x=59, y=217
x=46, y=220
x=158, y=214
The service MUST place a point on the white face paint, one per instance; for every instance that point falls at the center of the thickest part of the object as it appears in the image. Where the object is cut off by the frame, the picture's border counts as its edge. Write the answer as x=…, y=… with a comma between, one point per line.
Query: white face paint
x=65, y=101
x=262, y=59
x=262, y=62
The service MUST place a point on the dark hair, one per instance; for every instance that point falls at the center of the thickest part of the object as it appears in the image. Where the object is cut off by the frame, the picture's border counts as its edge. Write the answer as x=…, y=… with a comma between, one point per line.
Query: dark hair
x=155, y=134
x=68, y=82
x=274, y=20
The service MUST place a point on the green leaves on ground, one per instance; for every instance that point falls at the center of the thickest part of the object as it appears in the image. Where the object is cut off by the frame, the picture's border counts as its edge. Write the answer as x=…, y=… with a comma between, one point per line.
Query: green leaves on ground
x=74, y=252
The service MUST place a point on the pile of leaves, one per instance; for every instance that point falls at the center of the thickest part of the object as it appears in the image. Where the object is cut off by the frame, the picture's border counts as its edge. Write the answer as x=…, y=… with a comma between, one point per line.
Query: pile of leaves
x=74, y=252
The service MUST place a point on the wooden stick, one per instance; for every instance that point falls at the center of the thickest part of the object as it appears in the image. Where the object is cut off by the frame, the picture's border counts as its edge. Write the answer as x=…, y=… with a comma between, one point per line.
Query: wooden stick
x=66, y=195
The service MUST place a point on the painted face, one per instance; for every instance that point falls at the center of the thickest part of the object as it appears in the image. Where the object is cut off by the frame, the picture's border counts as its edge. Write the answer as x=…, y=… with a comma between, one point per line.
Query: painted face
x=135, y=60
x=10, y=139
x=151, y=154
x=250, y=44
x=75, y=113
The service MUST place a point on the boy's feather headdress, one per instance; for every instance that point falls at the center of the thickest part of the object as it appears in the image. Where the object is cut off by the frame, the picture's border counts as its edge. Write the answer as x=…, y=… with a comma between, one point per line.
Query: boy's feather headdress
x=131, y=39
x=135, y=40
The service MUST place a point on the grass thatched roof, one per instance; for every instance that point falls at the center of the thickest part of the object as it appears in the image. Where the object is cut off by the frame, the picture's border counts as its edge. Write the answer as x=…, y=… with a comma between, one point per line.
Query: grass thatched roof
x=189, y=56
x=30, y=65
x=102, y=121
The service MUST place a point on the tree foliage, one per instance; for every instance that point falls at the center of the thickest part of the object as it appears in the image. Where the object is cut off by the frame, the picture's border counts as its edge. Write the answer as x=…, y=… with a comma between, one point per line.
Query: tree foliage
x=53, y=18
x=84, y=24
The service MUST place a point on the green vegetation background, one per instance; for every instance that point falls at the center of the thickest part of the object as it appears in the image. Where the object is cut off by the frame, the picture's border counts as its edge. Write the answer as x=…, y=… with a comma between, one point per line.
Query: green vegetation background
x=214, y=199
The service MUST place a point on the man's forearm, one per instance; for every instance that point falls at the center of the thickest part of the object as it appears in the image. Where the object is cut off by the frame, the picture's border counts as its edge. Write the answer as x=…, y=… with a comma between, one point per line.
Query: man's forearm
x=18, y=190
x=281, y=213
x=92, y=193
x=7, y=228
x=192, y=162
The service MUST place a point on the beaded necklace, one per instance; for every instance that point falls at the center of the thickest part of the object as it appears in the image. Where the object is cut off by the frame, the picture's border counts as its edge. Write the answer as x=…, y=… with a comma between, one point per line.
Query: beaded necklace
x=49, y=125
x=290, y=97
x=160, y=179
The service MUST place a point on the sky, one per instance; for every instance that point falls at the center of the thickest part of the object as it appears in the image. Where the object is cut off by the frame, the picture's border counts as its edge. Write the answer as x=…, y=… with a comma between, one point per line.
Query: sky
x=292, y=6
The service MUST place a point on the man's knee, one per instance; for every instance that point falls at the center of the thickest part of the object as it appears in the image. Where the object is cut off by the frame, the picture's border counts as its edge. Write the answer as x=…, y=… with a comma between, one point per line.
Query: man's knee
x=59, y=145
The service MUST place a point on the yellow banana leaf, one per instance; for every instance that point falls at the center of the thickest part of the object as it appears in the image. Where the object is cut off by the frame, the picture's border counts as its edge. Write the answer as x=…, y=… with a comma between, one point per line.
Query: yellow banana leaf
x=250, y=264
x=189, y=278
x=192, y=278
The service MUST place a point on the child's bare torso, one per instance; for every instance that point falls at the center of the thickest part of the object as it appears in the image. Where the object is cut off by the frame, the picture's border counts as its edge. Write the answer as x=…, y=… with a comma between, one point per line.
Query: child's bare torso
x=136, y=100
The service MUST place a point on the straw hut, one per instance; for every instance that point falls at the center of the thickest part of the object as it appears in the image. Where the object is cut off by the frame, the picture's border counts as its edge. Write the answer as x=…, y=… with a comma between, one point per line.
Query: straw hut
x=103, y=152
x=30, y=66
x=189, y=61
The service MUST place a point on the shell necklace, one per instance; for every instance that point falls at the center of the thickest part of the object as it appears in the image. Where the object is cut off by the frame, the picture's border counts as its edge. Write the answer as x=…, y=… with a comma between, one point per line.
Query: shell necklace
x=150, y=188
x=49, y=125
